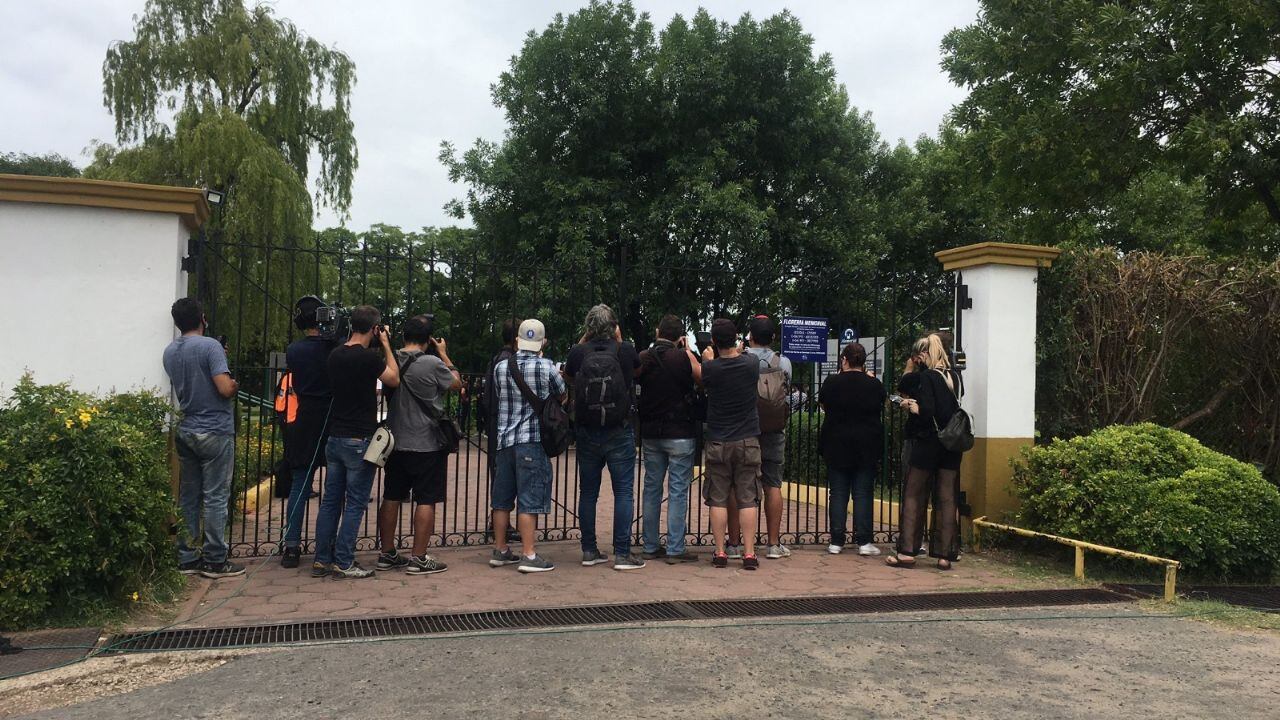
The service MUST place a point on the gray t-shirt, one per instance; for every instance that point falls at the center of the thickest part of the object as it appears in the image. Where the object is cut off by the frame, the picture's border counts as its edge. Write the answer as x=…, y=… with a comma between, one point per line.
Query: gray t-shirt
x=192, y=361
x=765, y=356
x=429, y=380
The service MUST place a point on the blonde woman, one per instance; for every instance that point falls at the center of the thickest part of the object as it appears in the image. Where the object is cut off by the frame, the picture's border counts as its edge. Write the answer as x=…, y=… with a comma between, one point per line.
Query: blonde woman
x=932, y=469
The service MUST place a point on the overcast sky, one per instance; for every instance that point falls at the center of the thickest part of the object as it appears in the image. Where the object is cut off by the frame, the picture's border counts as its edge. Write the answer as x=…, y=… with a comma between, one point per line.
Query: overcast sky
x=424, y=71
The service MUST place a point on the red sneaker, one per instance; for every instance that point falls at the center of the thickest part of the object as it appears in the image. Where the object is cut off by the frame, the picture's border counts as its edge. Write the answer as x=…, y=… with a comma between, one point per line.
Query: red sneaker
x=720, y=560
x=750, y=562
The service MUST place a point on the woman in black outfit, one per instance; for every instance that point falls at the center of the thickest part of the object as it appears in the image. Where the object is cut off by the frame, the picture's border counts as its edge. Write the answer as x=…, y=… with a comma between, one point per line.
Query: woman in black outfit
x=850, y=442
x=934, y=390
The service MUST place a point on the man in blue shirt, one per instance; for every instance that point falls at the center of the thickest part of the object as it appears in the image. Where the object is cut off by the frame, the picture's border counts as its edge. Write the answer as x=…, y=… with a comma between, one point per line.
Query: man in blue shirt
x=205, y=441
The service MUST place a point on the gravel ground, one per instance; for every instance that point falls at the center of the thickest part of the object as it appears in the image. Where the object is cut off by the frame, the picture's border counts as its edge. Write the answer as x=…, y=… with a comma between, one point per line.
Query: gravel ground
x=1083, y=663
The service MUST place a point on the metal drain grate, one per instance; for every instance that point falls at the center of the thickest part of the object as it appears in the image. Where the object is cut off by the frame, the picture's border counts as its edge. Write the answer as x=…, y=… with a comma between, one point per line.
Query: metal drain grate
x=226, y=637
x=1258, y=597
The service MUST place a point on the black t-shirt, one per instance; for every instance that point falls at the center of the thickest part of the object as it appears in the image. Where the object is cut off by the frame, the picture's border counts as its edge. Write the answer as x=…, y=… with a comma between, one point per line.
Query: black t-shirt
x=664, y=412
x=628, y=360
x=353, y=375
x=851, y=429
x=307, y=359
x=731, y=397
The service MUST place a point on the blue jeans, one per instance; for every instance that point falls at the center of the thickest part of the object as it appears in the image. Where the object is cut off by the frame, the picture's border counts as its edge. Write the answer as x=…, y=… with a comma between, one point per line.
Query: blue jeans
x=203, y=491
x=596, y=447
x=522, y=472
x=296, y=510
x=661, y=455
x=862, y=482
x=347, y=482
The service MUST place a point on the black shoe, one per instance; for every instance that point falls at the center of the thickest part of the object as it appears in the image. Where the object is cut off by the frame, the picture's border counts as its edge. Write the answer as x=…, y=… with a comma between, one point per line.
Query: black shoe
x=226, y=568
x=391, y=561
x=750, y=562
x=290, y=557
x=684, y=557
x=720, y=560
x=190, y=568
x=662, y=552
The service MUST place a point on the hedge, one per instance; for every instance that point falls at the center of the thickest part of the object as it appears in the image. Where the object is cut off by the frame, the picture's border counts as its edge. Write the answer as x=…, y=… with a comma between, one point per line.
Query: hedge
x=1153, y=490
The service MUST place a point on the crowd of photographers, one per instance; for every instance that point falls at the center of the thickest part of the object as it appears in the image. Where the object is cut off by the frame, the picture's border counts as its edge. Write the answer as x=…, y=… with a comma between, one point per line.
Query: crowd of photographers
x=735, y=396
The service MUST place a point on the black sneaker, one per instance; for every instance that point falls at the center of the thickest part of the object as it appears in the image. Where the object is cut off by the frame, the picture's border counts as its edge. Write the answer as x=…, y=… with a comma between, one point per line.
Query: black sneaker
x=226, y=568
x=290, y=557
x=425, y=565
x=684, y=557
x=661, y=553
x=319, y=569
x=191, y=567
x=627, y=562
x=750, y=562
x=720, y=560
x=391, y=561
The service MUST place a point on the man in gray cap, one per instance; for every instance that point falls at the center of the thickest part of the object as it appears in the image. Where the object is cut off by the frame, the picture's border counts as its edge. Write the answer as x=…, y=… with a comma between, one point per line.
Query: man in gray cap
x=522, y=474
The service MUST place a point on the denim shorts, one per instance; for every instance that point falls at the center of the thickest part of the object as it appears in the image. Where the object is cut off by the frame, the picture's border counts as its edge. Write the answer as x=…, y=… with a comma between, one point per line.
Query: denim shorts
x=523, y=473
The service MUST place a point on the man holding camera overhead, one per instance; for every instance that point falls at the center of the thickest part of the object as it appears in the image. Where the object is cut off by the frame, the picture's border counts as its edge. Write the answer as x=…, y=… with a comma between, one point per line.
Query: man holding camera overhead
x=415, y=413
x=354, y=372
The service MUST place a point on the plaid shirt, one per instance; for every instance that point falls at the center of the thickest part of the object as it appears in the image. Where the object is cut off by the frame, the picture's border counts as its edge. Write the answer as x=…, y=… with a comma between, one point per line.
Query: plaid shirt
x=517, y=423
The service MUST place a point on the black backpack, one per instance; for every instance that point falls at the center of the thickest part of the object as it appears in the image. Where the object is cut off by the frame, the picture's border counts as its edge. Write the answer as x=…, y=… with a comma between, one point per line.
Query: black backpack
x=557, y=431
x=603, y=399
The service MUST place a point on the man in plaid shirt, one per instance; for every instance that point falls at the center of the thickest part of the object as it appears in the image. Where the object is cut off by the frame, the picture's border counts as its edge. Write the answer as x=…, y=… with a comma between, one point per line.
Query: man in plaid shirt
x=523, y=470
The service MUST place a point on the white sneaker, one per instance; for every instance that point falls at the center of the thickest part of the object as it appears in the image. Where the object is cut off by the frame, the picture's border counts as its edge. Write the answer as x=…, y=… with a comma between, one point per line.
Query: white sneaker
x=733, y=551
x=868, y=549
x=777, y=552
x=835, y=549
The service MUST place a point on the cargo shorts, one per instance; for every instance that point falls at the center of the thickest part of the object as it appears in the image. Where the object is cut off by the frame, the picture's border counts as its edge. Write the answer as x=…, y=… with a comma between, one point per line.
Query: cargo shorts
x=732, y=469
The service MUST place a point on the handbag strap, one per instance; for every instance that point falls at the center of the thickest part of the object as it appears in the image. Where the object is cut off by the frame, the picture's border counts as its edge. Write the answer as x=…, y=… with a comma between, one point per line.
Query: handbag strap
x=526, y=391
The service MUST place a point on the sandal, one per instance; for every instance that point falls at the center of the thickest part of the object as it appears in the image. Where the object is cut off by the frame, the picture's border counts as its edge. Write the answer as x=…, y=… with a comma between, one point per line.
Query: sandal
x=944, y=564
x=896, y=561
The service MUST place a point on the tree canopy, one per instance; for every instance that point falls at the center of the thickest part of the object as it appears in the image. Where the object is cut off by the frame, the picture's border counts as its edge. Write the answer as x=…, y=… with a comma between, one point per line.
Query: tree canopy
x=708, y=143
x=1112, y=114
x=50, y=164
x=215, y=94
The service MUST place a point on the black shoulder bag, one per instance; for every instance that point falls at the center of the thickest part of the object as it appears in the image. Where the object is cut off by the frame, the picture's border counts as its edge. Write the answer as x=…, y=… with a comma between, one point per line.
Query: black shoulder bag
x=449, y=429
x=957, y=434
x=557, y=431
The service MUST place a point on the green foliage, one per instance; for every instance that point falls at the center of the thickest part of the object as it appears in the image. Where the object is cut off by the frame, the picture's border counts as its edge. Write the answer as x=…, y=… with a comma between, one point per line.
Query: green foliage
x=50, y=165
x=1157, y=491
x=252, y=99
x=85, y=503
x=803, y=463
x=1080, y=112
x=705, y=144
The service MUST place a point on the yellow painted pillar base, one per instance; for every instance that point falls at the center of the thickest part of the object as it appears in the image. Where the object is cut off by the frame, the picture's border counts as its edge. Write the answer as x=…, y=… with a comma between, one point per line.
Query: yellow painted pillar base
x=986, y=476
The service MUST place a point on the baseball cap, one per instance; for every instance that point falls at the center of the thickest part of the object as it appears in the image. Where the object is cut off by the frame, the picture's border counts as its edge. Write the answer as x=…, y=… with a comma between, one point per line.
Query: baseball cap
x=531, y=334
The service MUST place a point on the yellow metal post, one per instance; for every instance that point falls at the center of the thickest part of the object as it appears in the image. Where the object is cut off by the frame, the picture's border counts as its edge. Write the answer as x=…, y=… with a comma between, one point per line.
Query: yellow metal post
x=1170, y=582
x=1079, y=562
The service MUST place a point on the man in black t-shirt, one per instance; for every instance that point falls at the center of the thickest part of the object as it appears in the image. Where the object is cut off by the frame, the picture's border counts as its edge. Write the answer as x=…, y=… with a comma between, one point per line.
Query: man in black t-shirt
x=354, y=371
x=732, y=453
x=668, y=372
x=602, y=369
x=307, y=360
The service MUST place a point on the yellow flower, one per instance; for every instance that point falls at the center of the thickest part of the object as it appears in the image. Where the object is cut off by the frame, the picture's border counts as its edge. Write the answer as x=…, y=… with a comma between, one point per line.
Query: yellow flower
x=70, y=423
x=52, y=437
x=135, y=596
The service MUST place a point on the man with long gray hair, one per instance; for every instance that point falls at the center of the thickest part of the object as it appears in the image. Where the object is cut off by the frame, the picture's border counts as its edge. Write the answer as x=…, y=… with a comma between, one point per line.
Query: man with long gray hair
x=602, y=369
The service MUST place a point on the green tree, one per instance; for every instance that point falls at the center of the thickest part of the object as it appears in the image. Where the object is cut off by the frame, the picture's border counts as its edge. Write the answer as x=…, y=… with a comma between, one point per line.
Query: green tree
x=707, y=144
x=1078, y=109
x=219, y=95
x=51, y=165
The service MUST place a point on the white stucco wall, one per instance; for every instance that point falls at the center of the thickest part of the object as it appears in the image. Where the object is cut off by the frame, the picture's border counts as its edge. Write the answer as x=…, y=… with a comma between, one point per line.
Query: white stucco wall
x=1000, y=344
x=85, y=294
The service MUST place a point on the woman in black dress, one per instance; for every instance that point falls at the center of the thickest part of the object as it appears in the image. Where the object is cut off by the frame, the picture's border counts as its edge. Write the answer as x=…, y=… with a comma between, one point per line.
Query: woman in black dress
x=851, y=439
x=934, y=390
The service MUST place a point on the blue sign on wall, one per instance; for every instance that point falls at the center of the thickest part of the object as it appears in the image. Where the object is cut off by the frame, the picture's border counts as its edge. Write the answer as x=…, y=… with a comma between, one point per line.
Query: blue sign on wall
x=804, y=339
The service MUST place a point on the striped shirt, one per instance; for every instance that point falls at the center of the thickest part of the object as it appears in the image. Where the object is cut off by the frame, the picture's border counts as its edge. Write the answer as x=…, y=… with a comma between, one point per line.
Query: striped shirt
x=517, y=422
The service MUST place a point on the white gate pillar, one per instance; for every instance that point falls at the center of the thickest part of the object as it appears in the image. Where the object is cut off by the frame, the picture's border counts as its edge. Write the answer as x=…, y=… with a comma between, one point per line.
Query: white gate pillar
x=998, y=335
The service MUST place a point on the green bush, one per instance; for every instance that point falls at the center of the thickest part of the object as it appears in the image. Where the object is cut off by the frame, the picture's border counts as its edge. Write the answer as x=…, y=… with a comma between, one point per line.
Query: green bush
x=85, y=503
x=1153, y=490
x=803, y=463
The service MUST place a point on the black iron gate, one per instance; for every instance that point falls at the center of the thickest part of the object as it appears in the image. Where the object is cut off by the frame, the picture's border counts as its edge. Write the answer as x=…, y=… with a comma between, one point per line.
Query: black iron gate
x=249, y=287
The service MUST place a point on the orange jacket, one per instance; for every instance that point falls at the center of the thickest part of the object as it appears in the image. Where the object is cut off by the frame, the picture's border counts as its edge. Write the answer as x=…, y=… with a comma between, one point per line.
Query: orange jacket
x=286, y=399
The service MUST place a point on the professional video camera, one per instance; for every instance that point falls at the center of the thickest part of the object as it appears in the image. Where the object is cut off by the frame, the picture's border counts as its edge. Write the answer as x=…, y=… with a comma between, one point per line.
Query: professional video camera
x=334, y=322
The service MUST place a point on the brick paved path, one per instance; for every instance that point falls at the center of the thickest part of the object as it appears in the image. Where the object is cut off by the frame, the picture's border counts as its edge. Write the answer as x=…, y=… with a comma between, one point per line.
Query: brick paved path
x=273, y=594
